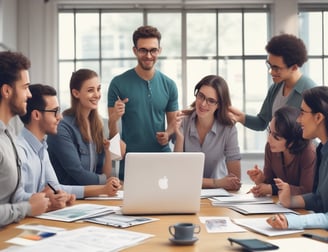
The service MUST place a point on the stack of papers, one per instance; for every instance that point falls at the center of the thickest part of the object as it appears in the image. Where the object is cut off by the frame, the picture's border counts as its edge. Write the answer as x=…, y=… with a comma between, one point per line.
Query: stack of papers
x=78, y=212
x=86, y=239
x=240, y=199
x=260, y=225
x=119, y=220
x=207, y=193
x=33, y=233
x=260, y=208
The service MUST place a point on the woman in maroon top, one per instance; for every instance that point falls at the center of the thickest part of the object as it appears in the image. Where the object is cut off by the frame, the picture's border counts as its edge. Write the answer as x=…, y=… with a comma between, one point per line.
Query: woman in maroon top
x=288, y=156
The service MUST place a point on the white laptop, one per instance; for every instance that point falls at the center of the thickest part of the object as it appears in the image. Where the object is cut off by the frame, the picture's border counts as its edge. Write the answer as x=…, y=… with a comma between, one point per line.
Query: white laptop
x=163, y=182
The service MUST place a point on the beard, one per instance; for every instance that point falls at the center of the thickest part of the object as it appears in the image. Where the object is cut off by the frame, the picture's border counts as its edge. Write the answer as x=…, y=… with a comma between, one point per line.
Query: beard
x=146, y=67
x=16, y=106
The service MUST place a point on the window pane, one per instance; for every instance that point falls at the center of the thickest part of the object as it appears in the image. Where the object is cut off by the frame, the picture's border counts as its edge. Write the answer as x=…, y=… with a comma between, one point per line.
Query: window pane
x=93, y=65
x=315, y=68
x=325, y=24
x=256, y=80
x=255, y=33
x=231, y=71
x=172, y=68
x=169, y=25
x=65, y=73
x=256, y=84
x=117, y=30
x=230, y=34
x=111, y=68
x=201, y=41
x=66, y=35
x=196, y=70
x=87, y=35
x=311, y=31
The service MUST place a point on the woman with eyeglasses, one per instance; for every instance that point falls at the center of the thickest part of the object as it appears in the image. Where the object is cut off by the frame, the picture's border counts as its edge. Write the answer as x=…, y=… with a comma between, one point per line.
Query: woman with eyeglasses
x=314, y=122
x=288, y=156
x=79, y=151
x=207, y=128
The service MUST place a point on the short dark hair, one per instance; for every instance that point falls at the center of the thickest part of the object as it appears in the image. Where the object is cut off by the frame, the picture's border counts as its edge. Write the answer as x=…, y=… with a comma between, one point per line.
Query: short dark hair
x=146, y=31
x=37, y=101
x=11, y=63
x=289, y=47
x=287, y=127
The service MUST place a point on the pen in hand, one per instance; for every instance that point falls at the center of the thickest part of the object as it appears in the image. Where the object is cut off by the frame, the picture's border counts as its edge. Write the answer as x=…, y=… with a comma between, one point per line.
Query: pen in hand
x=52, y=188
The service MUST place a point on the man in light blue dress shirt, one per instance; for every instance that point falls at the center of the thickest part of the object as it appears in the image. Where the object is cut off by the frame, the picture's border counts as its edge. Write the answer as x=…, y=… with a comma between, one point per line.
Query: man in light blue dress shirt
x=42, y=118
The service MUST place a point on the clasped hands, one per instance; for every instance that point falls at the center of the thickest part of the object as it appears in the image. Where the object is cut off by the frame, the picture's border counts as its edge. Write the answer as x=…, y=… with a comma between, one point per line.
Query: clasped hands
x=58, y=200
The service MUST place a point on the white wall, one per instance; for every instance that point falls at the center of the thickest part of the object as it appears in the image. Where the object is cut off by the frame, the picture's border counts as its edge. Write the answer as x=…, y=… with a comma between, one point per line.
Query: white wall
x=285, y=19
x=8, y=24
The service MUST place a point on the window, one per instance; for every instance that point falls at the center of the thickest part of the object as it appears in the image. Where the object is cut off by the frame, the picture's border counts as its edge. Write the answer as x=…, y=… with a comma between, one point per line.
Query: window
x=313, y=30
x=195, y=43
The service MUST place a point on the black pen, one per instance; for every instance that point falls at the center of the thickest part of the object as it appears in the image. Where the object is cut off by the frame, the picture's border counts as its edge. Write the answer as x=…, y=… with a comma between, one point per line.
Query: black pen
x=53, y=189
x=316, y=237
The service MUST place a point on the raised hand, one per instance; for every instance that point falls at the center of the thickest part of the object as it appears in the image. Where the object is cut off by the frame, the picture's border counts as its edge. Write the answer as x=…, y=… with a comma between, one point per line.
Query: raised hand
x=256, y=175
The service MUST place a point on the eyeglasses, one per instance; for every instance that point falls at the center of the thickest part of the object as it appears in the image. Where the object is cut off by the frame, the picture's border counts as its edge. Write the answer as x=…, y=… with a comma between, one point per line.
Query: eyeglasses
x=210, y=101
x=274, y=67
x=144, y=51
x=273, y=134
x=304, y=112
x=55, y=111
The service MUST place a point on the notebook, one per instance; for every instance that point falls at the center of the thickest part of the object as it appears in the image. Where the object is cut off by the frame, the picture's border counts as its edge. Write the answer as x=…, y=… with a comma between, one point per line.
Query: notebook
x=163, y=182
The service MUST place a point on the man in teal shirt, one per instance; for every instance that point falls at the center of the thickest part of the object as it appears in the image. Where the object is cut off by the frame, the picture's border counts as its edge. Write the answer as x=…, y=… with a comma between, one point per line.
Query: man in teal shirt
x=143, y=98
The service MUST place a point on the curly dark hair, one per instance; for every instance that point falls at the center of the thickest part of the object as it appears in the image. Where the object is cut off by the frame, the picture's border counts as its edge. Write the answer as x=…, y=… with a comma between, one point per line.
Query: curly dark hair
x=146, y=32
x=11, y=63
x=289, y=47
x=287, y=127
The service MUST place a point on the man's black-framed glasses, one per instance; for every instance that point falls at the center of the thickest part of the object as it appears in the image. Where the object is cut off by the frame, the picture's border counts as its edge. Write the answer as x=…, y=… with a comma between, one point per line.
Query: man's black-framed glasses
x=143, y=51
x=56, y=111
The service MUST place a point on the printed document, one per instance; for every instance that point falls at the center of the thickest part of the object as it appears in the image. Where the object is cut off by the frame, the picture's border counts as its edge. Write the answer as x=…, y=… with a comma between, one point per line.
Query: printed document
x=206, y=193
x=219, y=224
x=86, y=239
x=260, y=225
x=115, y=147
x=260, y=208
x=78, y=212
x=119, y=220
x=240, y=199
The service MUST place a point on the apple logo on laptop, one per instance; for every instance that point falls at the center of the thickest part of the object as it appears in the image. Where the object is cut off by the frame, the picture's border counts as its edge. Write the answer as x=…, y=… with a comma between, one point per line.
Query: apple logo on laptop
x=163, y=183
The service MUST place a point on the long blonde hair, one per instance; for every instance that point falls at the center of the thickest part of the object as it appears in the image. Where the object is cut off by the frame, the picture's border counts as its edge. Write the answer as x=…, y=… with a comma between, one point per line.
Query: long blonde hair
x=96, y=126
